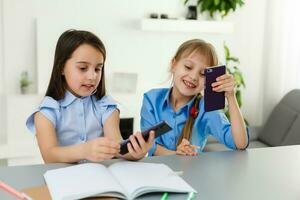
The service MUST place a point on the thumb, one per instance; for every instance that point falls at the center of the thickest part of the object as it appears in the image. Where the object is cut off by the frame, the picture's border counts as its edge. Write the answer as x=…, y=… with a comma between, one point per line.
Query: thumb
x=151, y=136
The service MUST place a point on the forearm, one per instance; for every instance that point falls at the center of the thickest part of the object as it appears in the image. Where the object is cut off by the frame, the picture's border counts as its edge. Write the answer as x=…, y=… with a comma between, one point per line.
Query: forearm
x=68, y=154
x=160, y=150
x=238, y=127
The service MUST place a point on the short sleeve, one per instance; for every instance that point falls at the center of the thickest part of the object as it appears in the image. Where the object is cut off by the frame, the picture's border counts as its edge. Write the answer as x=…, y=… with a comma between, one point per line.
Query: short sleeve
x=104, y=108
x=49, y=108
x=148, y=120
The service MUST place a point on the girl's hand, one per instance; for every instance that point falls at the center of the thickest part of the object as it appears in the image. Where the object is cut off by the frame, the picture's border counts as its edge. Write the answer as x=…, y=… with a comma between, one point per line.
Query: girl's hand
x=138, y=147
x=187, y=149
x=224, y=83
x=101, y=148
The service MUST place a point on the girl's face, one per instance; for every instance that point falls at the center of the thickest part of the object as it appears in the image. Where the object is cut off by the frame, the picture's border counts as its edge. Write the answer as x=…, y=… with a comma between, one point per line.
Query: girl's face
x=188, y=74
x=83, y=70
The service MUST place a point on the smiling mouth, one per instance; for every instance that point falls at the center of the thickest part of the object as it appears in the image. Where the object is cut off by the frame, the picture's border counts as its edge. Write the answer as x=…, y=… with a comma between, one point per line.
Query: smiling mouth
x=189, y=84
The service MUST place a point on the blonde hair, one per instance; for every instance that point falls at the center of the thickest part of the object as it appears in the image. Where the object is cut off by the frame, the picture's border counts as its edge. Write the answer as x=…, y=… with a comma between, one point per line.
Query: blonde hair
x=184, y=50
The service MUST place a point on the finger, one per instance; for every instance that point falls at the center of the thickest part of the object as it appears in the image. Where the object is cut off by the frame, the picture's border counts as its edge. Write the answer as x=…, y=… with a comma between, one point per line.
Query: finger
x=105, y=156
x=191, y=149
x=225, y=87
x=223, y=77
x=107, y=150
x=188, y=150
x=101, y=156
x=179, y=152
x=185, y=141
x=131, y=150
x=105, y=141
x=195, y=147
x=223, y=81
x=140, y=139
x=134, y=143
x=151, y=137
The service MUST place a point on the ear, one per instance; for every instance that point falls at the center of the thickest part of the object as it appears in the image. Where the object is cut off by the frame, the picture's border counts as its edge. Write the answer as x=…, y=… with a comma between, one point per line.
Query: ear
x=173, y=63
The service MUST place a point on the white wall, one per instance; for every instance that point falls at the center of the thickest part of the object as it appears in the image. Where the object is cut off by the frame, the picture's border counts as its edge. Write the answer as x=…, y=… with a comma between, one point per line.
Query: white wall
x=2, y=82
x=150, y=48
x=248, y=45
x=19, y=42
x=117, y=23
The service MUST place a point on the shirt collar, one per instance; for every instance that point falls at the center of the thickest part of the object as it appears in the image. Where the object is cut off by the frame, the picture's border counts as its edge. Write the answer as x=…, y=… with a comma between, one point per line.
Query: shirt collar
x=166, y=101
x=70, y=98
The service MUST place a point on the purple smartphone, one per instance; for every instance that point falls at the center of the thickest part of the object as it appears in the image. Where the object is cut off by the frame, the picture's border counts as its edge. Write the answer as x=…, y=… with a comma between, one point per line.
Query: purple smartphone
x=213, y=100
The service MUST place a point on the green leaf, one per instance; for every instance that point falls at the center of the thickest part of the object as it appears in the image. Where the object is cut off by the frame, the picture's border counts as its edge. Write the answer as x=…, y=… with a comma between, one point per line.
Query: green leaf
x=227, y=52
x=216, y=2
x=234, y=59
x=238, y=97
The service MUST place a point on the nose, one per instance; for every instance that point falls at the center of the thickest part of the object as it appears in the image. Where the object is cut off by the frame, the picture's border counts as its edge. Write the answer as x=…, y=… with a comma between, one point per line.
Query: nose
x=91, y=75
x=194, y=75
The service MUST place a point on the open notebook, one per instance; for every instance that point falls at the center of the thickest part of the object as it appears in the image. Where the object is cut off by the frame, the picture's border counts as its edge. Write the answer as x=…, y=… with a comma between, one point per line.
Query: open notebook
x=126, y=180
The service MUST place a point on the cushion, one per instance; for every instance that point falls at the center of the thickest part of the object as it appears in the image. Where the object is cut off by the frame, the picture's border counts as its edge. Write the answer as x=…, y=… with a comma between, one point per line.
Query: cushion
x=278, y=125
x=293, y=136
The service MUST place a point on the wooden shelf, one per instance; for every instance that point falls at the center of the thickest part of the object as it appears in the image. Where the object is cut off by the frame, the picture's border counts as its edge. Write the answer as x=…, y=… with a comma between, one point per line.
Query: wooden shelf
x=187, y=25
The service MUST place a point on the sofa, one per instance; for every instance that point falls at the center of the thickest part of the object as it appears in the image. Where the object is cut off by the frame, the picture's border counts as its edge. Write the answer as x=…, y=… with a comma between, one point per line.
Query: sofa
x=281, y=128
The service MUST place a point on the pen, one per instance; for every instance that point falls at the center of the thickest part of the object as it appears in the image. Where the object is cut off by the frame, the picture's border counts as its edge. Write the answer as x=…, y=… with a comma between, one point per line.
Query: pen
x=18, y=195
x=191, y=196
x=164, y=196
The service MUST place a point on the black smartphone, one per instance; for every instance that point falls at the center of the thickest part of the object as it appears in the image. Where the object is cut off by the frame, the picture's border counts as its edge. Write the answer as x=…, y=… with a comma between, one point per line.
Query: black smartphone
x=213, y=100
x=160, y=129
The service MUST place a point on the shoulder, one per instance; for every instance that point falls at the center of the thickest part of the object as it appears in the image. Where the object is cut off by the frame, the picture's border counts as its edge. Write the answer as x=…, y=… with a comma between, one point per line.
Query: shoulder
x=50, y=103
x=156, y=93
x=104, y=102
x=50, y=108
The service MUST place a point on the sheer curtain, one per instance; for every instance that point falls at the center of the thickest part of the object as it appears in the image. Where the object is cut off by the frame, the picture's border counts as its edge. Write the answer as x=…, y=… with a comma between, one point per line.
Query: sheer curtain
x=282, y=51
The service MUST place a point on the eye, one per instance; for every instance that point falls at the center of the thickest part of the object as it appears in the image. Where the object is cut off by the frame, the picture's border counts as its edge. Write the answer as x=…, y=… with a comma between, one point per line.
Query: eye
x=98, y=69
x=187, y=67
x=83, y=68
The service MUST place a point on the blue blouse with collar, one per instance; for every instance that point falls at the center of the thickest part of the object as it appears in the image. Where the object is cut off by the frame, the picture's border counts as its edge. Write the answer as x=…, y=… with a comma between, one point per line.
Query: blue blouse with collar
x=75, y=119
x=157, y=107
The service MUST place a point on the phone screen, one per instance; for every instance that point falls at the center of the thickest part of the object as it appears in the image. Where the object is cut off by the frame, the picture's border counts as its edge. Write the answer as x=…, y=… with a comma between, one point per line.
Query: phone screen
x=159, y=129
x=213, y=100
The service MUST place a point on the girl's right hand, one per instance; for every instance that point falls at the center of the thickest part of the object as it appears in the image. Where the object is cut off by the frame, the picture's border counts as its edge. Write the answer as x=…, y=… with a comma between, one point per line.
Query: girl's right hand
x=187, y=149
x=101, y=148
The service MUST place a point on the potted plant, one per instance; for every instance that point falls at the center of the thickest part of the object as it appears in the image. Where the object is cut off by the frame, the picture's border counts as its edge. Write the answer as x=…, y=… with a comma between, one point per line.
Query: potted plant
x=24, y=82
x=232, y=68
x=213, y=7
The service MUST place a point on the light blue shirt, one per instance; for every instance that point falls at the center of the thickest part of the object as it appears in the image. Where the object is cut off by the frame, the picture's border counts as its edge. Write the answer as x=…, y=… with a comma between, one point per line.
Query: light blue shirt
x=157, y=107
x=76, y=119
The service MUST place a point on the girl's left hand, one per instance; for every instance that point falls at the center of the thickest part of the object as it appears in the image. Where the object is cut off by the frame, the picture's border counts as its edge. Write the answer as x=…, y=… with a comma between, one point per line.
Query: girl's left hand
x=138, y=147
x=224, y=83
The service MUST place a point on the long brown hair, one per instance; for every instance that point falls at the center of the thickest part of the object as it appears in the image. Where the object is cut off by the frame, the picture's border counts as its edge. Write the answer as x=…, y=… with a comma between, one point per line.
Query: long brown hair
x=184, y=50
x=67, y=43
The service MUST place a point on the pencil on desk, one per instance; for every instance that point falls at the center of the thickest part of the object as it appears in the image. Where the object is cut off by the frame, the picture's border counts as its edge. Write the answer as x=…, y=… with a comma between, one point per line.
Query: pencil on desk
x=191, y=196
x=14, y=192
x=164, y=196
